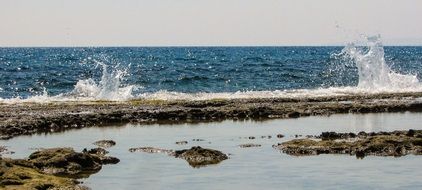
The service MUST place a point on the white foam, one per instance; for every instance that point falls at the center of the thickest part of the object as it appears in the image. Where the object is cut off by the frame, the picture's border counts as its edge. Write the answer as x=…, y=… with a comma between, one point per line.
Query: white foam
x=374, y=73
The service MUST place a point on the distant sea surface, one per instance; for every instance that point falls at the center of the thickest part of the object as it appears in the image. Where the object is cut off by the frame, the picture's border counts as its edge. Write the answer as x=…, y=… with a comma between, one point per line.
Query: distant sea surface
x=133, y=72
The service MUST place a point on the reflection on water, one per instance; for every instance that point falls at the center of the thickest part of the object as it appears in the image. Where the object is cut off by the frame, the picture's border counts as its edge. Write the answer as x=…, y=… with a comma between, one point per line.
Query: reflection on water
x=248, y=168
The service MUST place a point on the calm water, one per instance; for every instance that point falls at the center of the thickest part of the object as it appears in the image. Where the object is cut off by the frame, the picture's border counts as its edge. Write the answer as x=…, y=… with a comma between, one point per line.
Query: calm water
x=26, y=72
x=252, y=168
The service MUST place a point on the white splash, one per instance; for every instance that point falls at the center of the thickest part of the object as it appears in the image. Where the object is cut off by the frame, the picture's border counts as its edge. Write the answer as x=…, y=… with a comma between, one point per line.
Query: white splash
x=374, y=73
x=109, y=88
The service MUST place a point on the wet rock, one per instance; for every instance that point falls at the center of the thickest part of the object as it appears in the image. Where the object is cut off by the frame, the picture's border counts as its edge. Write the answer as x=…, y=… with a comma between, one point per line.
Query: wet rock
x=396, y=143
x=251, y=137
x=20, y=174
x=18, y=119
x=249, y=145
x=105, y=143
x=198, y=156
x=266, y=137
x=97, y=151
x=197, y=140
x=151, y=150
x=334, y=135
x=294, y=114
x=65, y=161
x=182, y=142
x=280, y=136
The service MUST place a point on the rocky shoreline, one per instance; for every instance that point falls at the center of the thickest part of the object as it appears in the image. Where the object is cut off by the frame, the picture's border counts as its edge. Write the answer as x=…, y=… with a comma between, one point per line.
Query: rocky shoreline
x=396, y=143
x=31, y=118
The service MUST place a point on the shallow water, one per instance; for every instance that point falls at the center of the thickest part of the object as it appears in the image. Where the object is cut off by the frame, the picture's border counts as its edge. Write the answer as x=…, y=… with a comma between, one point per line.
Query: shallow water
x=247, y=168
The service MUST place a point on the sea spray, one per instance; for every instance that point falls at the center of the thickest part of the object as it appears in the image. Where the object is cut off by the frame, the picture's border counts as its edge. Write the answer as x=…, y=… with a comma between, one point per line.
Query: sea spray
x=108, y=88
x=374, y=73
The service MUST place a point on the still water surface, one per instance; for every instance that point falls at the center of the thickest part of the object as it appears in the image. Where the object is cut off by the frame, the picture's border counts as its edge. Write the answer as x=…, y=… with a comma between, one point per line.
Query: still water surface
x=250, y=168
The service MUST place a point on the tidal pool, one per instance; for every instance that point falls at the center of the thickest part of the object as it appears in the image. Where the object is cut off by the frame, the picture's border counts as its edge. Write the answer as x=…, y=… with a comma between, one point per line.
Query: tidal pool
x=248, y=168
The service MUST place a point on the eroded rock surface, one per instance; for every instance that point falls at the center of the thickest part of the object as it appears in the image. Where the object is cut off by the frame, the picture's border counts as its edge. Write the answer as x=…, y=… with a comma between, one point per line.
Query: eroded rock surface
x=198, y=156
x=67, y=162
x=31, y=118
x=151, y=150
x=396, y=143
x=54, y=168
x=14, y=175
x=249, y=145
x=105, y=143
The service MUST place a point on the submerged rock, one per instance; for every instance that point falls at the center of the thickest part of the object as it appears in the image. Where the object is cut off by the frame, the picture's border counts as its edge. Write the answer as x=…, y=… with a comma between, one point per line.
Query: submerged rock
x=250, y=145
x=198, y=156
x=105, y=143
x=397, y=143
x=182, y=142
x=4, y=150
x=151, y=150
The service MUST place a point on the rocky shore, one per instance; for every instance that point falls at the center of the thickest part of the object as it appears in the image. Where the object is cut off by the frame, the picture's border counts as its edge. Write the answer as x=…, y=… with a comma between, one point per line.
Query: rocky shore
x=55, y=168
x=31, y=118
x=396, y=143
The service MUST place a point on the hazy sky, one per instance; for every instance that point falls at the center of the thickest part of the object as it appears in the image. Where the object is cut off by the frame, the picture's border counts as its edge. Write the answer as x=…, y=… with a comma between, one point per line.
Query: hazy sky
x=206, y=22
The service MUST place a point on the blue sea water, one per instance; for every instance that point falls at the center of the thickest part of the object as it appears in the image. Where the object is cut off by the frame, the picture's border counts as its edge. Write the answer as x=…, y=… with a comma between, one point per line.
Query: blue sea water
x=28, y=72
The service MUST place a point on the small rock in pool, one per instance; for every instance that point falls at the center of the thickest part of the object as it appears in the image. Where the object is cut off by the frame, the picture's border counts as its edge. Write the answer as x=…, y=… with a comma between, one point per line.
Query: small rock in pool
x=280, y=136
x=250, y=145
x=151, y=150
x=251, y=137
x=198, y=140
x=199, y=157
x=182, y=142
x=105, y=143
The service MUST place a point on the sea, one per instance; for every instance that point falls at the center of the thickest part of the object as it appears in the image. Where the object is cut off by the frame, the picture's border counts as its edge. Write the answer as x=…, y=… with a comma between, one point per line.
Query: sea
x=198, y=73
x=202, y=73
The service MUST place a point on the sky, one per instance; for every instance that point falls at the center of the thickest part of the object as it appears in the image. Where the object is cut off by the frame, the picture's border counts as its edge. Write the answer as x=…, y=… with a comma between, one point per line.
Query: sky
x=207, y=22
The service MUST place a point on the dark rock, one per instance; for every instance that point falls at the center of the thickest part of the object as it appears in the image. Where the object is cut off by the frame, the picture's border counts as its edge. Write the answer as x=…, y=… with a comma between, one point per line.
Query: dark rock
x=411, y=133
x=198, y=156
x=97, y=151
x=280, y=136
x=250, y=145
x=251, y=137
x=105, y=143
x=294, y=114
x=396, y=143
x=182, y=142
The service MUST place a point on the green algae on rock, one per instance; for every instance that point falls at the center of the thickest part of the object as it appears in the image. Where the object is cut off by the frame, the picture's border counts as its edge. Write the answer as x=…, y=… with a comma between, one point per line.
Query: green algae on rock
x=15, y=175
x=54, y=168
x=396, y=143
